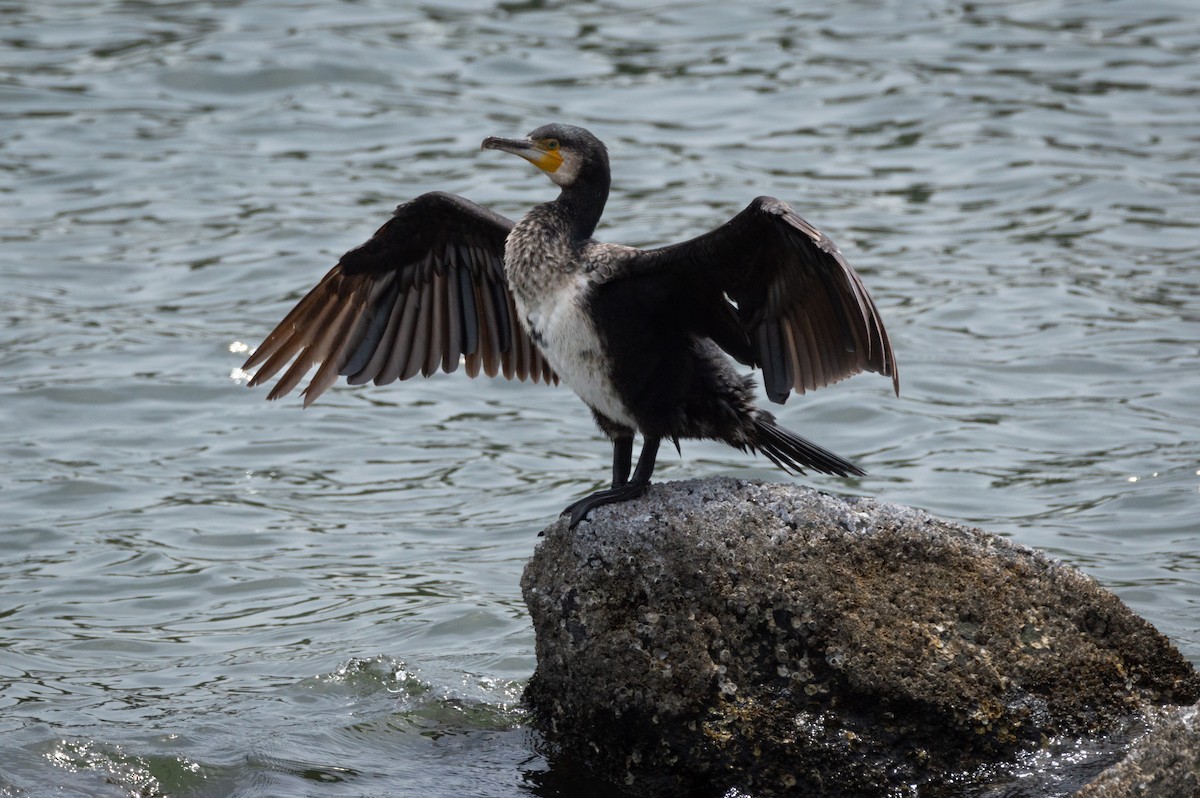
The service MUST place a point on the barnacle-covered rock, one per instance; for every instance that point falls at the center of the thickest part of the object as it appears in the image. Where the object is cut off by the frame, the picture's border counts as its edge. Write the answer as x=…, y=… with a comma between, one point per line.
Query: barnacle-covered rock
x=726, y=634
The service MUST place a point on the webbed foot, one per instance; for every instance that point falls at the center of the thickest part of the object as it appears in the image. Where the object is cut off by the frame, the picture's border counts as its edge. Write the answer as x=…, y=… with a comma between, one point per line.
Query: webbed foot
x=580, y=509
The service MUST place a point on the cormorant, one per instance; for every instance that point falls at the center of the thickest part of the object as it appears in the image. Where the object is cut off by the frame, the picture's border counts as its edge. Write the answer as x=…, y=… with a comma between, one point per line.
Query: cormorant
x=640, y=335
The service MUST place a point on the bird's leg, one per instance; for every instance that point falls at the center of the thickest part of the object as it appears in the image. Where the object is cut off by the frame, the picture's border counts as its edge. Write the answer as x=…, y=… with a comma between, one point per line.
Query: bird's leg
x=635, y=487
x=622, y=459
x=645, y=466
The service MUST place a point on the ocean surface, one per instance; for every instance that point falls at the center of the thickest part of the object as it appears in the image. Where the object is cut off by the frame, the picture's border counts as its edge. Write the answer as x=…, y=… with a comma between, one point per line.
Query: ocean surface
x=203, y=594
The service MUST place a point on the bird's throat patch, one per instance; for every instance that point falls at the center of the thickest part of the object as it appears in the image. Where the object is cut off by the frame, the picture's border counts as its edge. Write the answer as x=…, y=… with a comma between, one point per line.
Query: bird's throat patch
x=548, y=160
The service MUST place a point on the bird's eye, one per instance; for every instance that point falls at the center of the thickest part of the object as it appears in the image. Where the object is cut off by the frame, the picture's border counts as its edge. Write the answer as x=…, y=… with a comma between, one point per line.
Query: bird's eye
x=552, y=144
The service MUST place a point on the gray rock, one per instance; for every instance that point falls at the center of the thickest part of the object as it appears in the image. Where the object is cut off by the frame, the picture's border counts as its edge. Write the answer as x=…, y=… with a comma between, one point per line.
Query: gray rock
x=1165, y=763
x=725, y=634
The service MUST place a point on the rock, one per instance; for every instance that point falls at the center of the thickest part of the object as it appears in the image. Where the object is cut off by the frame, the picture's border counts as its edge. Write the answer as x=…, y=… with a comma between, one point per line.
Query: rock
x=726, y=634
x=1165, y=763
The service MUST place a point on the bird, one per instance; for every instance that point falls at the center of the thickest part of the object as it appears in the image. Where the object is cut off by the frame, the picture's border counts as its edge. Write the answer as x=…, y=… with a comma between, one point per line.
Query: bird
x=647, y=338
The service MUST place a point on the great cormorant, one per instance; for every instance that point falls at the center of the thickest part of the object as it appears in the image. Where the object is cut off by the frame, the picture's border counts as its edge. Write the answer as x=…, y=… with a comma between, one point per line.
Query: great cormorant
x=640, y=335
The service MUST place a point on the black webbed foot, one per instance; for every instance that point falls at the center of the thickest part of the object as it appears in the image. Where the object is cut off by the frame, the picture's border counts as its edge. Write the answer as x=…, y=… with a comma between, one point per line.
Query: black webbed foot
x=580, y=509
x=621, y=491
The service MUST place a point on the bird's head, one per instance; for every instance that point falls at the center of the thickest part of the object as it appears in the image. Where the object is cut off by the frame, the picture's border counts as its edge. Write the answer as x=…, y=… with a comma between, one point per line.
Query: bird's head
x=563, y=152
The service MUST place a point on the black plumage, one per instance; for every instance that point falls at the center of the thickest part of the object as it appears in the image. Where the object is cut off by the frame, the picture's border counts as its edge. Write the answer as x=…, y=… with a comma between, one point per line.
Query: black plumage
x=641, y=335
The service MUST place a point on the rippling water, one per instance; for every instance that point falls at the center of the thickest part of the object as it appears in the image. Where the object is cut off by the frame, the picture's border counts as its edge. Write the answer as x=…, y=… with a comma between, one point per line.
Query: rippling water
x=202, y=594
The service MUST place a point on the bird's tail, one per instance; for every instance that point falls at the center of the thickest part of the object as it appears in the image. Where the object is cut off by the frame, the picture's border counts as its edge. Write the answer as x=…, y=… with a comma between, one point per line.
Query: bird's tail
x=792, y=453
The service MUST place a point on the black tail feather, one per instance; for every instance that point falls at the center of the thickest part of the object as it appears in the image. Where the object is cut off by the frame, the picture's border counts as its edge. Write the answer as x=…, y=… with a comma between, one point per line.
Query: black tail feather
x=790, y=452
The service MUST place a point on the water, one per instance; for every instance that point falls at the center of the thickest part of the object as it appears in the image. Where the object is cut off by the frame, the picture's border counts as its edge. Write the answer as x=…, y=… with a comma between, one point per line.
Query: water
x=202, y=594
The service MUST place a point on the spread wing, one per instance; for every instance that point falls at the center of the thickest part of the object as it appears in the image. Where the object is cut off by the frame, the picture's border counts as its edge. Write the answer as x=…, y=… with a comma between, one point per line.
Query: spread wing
x=799, y=311
x=426, y=291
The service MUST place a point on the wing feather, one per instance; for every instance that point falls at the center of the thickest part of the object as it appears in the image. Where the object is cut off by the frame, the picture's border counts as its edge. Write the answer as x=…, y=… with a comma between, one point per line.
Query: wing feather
x=383, y=348
x=452, y=346
x=806, y=313
x=489, y=343
x=298, y=346
x=414, y=331
x=426, y=292
x=363, y=364
x=437, y=328
x=326, y=349
x=469, y=313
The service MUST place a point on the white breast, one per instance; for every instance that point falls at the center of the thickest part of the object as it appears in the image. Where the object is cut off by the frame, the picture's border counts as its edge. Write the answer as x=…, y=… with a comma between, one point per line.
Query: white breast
x=558, y=322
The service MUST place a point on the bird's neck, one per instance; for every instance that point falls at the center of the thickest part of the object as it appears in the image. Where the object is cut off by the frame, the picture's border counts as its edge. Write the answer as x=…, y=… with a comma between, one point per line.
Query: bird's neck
x=581, y=205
